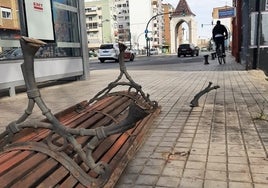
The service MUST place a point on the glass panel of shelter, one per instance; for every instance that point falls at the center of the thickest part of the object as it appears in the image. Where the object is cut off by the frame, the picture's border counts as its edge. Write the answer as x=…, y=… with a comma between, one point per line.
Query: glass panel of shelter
x=65, y=18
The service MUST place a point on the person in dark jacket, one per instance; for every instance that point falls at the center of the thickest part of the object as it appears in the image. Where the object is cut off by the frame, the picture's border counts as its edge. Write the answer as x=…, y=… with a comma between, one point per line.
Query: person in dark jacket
x=219, y=34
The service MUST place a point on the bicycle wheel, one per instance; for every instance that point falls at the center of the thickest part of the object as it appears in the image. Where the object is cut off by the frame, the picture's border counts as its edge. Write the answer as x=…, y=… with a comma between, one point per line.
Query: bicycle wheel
x=219, y=55
x=223, y=59
x=220, y=60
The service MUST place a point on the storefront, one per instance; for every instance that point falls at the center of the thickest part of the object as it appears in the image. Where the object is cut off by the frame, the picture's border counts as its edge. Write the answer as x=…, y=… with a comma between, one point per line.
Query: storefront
x=60, y=23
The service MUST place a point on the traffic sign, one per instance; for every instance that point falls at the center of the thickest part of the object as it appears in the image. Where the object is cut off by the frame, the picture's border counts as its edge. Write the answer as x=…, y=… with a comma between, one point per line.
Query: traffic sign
x=227, y=13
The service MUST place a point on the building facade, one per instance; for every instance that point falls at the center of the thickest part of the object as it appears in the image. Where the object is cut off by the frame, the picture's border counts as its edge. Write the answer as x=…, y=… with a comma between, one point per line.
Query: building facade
x=158, y=24
x=183, y=27
x=101, y=22
x=166, y=31
x=9, y=22
x=122, y=11
x=120, y=20
x=250, y=27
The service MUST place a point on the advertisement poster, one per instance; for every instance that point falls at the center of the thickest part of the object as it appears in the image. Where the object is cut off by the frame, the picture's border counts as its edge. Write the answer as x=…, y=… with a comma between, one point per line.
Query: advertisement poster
x=39, y=19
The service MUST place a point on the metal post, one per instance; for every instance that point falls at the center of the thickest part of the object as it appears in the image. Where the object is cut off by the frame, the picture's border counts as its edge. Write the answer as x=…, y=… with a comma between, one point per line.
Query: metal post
x=256, y=55
x=102, y=32
x=259, y=33
x=138, y=44
x=130, y=40
x=23, y=30
x=84, y=44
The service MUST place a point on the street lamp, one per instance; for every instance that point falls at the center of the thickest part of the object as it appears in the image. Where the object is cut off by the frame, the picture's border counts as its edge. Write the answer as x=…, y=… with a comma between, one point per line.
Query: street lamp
x=146, y=30
x=106, y=20
x=138, y=38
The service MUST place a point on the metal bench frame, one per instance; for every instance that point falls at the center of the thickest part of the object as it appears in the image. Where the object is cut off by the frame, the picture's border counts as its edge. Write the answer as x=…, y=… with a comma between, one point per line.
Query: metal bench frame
x=139, y=109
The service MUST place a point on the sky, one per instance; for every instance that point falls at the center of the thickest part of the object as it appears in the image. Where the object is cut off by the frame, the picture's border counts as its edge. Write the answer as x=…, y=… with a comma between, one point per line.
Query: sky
x=203, y=11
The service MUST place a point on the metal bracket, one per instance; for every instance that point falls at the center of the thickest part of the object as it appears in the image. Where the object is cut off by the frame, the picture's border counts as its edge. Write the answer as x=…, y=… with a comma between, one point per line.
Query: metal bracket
x=194, y=102
x=131, y=83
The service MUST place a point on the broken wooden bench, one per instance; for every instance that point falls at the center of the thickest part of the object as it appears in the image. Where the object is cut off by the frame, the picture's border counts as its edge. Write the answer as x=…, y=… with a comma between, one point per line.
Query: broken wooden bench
x=87, y=145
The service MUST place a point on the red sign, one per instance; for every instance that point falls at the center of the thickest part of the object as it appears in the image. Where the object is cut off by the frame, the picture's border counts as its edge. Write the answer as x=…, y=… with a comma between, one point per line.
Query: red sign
x=38, y=6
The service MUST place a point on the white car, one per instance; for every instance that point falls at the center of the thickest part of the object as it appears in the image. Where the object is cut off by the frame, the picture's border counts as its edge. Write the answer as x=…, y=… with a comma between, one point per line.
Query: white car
x=111, y=52
x=108, y=51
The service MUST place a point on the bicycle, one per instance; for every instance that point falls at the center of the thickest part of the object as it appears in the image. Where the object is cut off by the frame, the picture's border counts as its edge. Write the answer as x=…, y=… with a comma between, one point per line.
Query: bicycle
x=221, y=57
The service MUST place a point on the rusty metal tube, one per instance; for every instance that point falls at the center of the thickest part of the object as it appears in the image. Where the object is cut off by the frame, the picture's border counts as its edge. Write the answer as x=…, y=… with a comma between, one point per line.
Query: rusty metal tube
x=135, y=114
x=27, y=112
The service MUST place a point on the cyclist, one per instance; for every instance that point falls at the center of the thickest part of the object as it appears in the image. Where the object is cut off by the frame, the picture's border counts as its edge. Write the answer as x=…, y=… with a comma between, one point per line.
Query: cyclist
x=219, y=34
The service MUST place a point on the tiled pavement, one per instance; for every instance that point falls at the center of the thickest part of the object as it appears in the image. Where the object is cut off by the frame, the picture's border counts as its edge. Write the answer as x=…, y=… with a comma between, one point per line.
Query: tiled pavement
x=221, y=143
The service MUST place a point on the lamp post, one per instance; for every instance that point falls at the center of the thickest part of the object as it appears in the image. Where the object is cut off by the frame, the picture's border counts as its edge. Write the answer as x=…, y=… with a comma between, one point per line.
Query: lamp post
x=106, y=20
x=146, y=30
x=138, y=38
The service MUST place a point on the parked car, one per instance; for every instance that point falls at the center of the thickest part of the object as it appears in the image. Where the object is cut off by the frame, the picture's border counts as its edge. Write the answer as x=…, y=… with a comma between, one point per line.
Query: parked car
x=92, y=53
x=108, y=52
x=153, y=51
x=111, y=52
x=15, y=53
x=129, y=55
x=204, y=49
x=188, y=49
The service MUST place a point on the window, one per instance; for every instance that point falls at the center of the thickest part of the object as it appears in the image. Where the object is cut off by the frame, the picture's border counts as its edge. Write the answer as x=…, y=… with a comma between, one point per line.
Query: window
x=92, y=25
x=6, y=13
x=266, y=7
x=89, y=18
x=264, y=29
x=91, y=9
x=66, y=27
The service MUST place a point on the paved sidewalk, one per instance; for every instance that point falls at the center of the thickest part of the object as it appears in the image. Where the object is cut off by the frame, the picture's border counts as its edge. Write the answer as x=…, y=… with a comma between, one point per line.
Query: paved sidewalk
x=221, y=143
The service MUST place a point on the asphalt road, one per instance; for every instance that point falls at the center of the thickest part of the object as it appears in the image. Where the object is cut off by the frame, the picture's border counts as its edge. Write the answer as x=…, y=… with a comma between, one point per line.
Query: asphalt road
x=156, y=62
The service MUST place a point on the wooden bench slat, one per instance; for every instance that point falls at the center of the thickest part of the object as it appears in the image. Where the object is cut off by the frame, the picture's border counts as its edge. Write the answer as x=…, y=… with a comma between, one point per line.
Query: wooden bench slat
x=100, y=105
x=15, y=158
x=70, y=182
x=7, y=156
x=129, y=149
x=55, y=177
x=46, y=167
x=23, y=168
